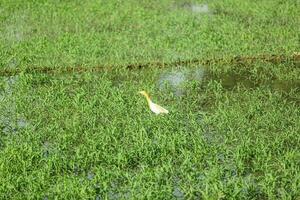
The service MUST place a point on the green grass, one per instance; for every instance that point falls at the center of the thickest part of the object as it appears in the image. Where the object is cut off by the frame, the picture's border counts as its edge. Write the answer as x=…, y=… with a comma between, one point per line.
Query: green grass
x=232, y=133
x=54, y=33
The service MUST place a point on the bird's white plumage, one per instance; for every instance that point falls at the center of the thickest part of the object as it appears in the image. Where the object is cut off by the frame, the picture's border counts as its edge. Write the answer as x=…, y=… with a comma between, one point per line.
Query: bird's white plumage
x=157, y=109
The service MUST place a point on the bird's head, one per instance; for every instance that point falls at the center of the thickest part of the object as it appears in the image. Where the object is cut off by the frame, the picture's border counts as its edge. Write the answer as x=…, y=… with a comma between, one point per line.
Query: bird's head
x=144, y=93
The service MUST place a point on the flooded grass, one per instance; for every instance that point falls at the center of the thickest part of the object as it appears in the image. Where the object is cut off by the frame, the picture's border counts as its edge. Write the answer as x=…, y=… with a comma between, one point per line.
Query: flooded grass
x=175, y=79
x=226, y=140
x=11, y=121
x=195, y=8
x=72, y=128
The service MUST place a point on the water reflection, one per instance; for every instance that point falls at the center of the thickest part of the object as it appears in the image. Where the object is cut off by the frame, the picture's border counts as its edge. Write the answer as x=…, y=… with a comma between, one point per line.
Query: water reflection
x=175, y=80
x=90, y=175
x=196, y=8
x=177, y=192
x=13, y=63
x=9, y=119
x=199, y=8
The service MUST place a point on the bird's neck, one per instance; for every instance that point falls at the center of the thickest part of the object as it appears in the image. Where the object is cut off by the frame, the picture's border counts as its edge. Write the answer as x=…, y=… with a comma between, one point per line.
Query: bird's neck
x=148, y=98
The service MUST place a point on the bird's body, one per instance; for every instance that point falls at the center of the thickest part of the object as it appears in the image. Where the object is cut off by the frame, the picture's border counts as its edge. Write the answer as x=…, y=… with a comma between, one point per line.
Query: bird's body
x=157, y=109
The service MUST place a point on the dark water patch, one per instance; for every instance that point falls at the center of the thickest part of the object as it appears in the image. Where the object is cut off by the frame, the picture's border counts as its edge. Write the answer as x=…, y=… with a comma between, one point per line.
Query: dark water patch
x=290, y=89
x=175, y=80
x=285, y=85
x=245, y=18
x=231, y=81
x=119, y=80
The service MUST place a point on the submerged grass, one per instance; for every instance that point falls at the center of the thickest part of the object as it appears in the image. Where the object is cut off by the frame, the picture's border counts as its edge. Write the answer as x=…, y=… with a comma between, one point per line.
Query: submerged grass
x=233, y=128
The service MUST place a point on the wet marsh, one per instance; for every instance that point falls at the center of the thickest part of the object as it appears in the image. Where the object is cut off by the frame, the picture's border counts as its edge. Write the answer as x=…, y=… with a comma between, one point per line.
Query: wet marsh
x=233, y=127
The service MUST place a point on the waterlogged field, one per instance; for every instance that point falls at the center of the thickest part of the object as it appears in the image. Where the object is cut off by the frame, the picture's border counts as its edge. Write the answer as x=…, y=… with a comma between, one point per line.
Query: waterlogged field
x=69, y=131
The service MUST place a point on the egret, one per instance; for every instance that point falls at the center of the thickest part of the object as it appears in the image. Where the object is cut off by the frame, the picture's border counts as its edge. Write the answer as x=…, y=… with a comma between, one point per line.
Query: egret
x=157, y=109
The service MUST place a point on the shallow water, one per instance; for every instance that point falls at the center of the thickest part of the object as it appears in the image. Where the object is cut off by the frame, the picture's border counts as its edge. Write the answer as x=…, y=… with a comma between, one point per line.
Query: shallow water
x=176, y=79
x=285, y=86
x=173, y=80
x=177, y=192
x=90, y=175
x=212, y=138
x=16, y=27
x=196, y=8
x=199, y=8
x=13, y=63
x=47, y=148
x=10, y=121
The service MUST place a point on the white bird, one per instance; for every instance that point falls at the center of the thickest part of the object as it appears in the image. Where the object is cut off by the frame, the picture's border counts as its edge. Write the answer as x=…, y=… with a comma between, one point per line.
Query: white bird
x=157, y=109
